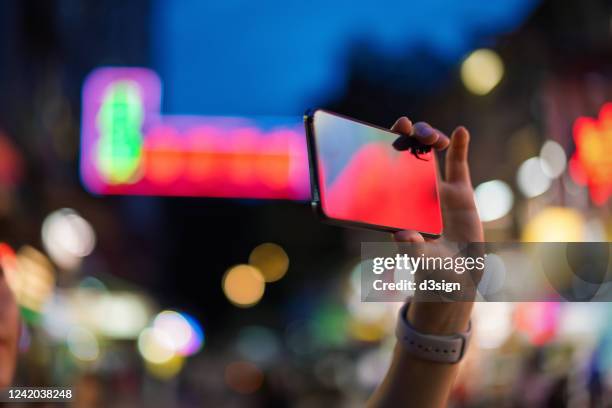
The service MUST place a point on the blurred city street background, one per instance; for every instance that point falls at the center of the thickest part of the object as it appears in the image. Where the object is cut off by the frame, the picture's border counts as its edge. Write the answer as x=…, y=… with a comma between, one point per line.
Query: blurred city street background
x=155, y=223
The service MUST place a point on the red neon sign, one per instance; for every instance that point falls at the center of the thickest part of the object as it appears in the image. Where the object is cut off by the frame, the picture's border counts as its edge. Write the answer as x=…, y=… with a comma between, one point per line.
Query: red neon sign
x=591, y=163
x=128, y=147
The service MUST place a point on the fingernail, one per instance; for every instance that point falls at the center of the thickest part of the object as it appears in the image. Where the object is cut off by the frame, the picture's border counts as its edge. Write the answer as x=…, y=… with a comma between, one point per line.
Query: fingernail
x=426, y=130
x=403, y=118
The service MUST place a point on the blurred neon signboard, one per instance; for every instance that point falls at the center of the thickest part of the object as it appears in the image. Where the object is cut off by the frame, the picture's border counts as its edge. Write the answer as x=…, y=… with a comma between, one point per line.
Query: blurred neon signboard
x=591, y=163
x=129, y=147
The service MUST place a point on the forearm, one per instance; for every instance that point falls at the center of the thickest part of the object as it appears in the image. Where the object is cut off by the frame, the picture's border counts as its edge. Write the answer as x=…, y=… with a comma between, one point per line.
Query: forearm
x=414, y=382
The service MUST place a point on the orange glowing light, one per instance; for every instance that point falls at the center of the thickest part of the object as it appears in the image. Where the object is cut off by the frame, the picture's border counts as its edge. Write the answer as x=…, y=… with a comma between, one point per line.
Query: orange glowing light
x=591, y=163
x=271, y=260
x=244, y=285
x=239, y=164
x=164, y=160
x=8, y=259
x=8, y=265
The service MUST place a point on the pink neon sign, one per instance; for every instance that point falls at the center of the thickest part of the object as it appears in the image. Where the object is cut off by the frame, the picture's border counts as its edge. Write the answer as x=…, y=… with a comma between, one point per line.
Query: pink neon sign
x=129, y=147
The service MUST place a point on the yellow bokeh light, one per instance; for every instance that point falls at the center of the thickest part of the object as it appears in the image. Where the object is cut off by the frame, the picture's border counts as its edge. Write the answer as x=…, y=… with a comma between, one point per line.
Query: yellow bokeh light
x=481, y=71
x=244, y=285
x=167, y=369
x=271, y=259
x=555, y=224
x=367, y=332
x=33, y=279
x=155, y=346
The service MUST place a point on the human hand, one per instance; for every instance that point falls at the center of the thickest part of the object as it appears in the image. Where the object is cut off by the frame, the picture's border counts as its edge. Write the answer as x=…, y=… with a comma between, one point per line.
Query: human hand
x=461, y=221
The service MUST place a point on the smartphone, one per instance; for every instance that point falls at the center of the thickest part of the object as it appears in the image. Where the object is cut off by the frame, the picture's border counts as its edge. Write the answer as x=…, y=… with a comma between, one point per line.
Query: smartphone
x=360, y=178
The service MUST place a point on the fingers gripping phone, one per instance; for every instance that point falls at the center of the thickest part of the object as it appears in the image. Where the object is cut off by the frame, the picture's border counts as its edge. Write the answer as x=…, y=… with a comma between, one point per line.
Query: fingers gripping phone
x=366, y=176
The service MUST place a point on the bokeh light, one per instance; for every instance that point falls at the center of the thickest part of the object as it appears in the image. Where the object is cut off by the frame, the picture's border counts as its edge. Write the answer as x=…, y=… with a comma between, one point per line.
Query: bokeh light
x=590, y=163
x=120, y=315
x=185, y=332
x=531, y=179
x=175, y=326
x=83, y=344
x=244, y=285
x=494, y=323
x=34, y=281
x=271, y=259
x=167, y=369
x=67, y=237
x=583, y=321
x=539, y=321
x=481, y=71
x=555, y=224
x=328, y=325
x=155, y=346
x=494, y=200
x=243, y=377
x=552, y=159
x=197, y=336
x=367, y=321
x=59, y=317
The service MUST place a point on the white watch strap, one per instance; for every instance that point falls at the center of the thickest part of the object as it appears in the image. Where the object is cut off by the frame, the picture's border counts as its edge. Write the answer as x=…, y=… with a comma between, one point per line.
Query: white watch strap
x=441, y=349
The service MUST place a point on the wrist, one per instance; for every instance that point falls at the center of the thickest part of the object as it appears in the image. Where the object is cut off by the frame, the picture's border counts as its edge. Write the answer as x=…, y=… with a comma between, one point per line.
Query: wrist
x=440, y=318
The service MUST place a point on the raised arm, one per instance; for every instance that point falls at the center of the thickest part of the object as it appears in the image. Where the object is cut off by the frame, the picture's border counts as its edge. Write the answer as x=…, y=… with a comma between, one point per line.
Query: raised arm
x=412, y=381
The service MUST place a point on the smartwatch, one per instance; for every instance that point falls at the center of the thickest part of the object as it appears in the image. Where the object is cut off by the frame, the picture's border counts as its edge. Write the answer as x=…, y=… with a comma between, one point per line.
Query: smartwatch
x=448, y=349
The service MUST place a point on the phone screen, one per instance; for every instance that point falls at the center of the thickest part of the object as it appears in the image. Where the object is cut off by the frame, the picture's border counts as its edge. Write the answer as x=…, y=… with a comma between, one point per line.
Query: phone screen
x=362, y=178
